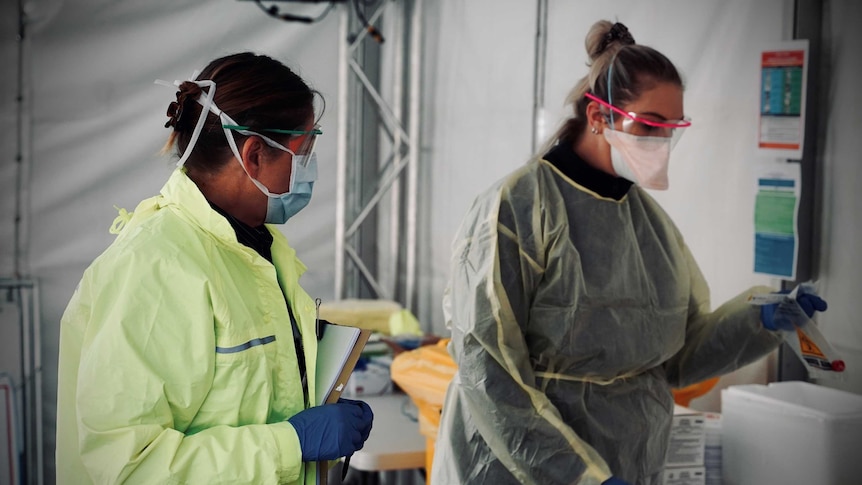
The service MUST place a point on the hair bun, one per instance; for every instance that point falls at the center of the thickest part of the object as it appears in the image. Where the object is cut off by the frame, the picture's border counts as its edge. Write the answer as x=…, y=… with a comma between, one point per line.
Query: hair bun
x=188, y=90
x=617, y=33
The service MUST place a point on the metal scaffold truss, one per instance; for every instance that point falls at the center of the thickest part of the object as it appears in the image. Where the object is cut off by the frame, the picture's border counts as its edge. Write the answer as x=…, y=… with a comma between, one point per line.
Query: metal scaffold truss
x=378, y=152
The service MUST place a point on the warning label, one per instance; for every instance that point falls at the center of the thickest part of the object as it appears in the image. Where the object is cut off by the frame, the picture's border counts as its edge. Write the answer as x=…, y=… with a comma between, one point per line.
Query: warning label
x=807, y=346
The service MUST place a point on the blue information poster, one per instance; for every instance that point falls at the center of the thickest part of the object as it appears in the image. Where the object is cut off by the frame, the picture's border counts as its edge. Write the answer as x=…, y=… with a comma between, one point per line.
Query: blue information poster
x=776, y=241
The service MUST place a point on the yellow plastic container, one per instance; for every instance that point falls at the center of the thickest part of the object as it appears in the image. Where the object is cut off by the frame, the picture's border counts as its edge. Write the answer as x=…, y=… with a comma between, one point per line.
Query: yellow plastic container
x=424, y=374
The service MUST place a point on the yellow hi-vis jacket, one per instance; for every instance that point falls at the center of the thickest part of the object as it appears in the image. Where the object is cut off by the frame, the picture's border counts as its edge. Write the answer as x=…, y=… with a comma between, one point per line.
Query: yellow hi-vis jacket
x=177, y=360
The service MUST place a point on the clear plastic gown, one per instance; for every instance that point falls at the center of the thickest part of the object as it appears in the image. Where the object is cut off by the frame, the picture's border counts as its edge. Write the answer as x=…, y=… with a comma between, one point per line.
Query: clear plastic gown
x=572, y=315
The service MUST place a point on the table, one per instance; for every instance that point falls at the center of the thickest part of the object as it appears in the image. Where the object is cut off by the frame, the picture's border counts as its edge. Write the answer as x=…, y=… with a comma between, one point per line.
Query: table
x=395, y=442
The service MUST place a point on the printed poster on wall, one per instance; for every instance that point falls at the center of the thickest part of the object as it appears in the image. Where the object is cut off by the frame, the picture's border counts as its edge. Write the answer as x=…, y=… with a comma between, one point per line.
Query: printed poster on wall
x=776, y=209
x=783, y=79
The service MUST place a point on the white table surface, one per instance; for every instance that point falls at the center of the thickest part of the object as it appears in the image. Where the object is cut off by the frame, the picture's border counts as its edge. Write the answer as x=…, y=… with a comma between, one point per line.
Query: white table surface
x=395, y=442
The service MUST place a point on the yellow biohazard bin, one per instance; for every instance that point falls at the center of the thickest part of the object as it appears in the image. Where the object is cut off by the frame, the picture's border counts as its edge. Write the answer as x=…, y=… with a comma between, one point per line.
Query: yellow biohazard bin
x=424, y=374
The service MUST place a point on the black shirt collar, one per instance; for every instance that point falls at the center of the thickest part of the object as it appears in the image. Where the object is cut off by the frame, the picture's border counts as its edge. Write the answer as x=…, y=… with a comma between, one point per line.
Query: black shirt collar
x=257, y=238
x=563, y=157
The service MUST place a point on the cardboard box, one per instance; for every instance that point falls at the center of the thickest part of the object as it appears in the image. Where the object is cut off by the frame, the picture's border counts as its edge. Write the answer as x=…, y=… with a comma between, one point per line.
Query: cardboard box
x=687, y=439
x=685, y=476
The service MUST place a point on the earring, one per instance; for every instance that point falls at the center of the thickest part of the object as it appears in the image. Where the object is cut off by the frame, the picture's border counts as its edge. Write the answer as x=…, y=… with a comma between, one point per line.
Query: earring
x=595, y=131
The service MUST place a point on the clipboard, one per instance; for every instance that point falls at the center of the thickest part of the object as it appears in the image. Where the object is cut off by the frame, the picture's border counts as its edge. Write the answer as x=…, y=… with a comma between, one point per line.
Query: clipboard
x=338, y=350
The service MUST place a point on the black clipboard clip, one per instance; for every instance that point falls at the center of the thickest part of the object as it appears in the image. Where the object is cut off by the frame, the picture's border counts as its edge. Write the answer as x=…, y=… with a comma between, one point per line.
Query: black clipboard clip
x=319, y=325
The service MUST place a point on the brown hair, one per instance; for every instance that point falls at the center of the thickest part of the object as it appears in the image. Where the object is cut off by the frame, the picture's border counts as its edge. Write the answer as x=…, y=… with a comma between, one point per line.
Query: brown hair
x=255, y=90
x=634, y=68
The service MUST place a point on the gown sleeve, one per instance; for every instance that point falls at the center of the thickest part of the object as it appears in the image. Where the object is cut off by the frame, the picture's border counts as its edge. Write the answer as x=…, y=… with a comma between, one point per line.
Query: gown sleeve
x=719, y=341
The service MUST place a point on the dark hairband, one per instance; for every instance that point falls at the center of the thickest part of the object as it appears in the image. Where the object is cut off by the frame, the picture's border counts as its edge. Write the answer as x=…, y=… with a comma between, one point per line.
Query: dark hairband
x=618, y=32
x=175, y=109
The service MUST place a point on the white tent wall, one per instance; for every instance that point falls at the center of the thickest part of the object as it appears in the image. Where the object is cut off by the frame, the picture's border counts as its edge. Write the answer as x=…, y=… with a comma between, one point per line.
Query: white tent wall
x=478, y=120
x=479, y=98
x=482, y=119
x=98, y=127
x=94, y=119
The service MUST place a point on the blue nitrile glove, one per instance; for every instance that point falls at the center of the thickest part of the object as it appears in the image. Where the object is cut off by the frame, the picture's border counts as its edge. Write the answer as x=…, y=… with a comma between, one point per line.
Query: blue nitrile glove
x=811, y=303
x=367, y=416
x=331, y=431
x=615, y=481
x=808, y=302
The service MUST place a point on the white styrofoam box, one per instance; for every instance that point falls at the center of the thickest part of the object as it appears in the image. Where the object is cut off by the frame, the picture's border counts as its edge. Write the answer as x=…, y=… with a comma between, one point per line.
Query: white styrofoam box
x=791, y=433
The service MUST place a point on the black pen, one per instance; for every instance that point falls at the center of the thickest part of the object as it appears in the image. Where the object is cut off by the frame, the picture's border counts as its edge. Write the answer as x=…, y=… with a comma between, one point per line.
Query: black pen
x=345, y=467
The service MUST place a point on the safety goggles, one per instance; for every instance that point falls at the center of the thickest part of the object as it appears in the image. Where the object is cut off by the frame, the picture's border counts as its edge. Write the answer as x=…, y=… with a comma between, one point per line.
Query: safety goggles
x=308, y=137
x=646, y=125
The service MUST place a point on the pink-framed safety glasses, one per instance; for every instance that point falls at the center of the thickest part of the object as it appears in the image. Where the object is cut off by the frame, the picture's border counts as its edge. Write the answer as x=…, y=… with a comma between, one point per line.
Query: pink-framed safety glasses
x=646, y=125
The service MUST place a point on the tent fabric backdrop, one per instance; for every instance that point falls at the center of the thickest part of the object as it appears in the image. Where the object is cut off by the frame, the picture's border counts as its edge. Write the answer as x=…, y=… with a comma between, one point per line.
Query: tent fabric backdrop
x=98, y=126
x=478, y=124
x=482, y=114
x=95, y=120
x=479, y=121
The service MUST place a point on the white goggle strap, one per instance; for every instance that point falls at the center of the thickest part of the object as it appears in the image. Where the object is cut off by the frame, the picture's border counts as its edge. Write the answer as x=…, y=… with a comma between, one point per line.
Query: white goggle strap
x=227, y=120
x=209, y=105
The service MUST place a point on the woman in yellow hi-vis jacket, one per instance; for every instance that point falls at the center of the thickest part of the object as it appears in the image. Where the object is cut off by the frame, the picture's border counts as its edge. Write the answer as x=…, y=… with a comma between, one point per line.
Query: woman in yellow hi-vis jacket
x=184, y=350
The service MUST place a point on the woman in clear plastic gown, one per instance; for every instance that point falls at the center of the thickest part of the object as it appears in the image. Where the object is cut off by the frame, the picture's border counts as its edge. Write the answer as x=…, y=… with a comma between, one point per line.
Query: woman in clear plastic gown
x=574, y=303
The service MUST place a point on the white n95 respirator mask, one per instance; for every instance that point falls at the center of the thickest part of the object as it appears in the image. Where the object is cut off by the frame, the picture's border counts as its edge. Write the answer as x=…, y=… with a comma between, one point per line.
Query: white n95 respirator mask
x=641, y=159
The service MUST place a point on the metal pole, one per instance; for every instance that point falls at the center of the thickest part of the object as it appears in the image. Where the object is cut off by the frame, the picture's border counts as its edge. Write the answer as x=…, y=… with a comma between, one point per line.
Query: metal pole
x=37, y=368
x=22, y=149
x=392, y=178
x=413, y=167
x=390, y=267
x=539, y=73
x=364, y=32
x=29, y=415
x=341, y=154
x=31, y=378
x=357, y=260
x=391, y=120
x=807, y=24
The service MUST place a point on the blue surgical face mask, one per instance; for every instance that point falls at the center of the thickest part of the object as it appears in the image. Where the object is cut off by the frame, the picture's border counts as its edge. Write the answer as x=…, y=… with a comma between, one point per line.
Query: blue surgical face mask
x=282, y=207
x=303, y=173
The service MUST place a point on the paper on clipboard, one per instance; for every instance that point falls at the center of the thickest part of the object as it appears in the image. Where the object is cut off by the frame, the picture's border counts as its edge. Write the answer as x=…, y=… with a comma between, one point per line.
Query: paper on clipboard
x=337, y=353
